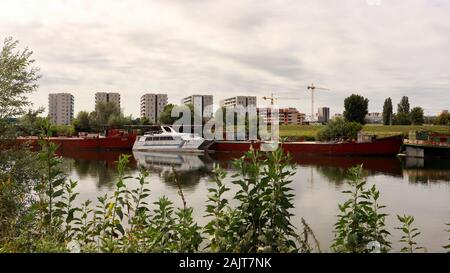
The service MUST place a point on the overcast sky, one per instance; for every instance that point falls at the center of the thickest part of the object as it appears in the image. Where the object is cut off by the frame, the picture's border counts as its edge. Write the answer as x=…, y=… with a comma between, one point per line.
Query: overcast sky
x=376, y=48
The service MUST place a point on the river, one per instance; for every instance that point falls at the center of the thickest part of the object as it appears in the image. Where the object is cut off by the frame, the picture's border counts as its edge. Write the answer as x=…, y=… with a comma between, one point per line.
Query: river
x=416, y=187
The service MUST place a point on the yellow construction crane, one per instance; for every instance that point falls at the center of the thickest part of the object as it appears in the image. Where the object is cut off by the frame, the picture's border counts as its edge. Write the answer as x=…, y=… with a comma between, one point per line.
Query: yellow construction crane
x=274, y=99
x=313, y=89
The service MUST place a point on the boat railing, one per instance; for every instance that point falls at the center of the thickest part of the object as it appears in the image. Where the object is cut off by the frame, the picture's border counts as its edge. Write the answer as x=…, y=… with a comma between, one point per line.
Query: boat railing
x=426, y=142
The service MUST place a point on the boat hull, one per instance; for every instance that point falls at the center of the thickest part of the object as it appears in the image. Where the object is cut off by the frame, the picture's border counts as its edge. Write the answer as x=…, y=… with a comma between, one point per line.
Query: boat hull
x=85, y=144
x=389, y=146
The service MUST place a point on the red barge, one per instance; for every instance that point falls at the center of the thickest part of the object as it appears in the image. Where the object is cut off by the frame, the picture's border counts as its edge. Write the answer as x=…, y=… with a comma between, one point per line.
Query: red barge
x=389, y=146
x=114, y=140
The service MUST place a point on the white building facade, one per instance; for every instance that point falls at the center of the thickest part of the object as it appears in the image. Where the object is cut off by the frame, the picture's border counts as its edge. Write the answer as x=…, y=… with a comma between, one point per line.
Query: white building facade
x=239, y=100
x=152, y=105
x=203, y=103
x=61, y=108
x=107, y=97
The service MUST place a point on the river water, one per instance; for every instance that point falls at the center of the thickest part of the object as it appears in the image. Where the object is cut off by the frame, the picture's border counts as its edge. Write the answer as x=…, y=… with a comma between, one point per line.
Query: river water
x=416, y=187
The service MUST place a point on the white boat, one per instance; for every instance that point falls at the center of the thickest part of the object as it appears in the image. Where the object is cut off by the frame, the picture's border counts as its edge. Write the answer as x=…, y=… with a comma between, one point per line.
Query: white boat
x=166, y=139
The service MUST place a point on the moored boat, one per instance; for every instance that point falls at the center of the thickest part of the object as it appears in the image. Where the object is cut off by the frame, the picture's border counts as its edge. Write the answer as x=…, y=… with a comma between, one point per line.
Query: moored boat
x=427, y=144
x=166, y=139
x=388, y=146
x=114, y=140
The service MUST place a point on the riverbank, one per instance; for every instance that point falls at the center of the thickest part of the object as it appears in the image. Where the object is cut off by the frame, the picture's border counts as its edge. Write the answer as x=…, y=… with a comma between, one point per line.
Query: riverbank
x=310, y=131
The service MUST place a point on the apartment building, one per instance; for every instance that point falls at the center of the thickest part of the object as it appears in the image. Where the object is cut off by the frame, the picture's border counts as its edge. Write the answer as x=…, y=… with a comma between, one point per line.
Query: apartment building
x=107, y=97
x=286, y=116
x=239, y=100
x=374, y=118
x=323, y=114
x=152, y=105
x=201, y=103
x=61, y=108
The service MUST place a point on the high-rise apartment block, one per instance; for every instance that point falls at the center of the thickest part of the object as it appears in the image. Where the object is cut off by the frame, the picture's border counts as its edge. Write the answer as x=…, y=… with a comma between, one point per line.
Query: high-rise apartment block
x=323, y=115
x=152, y=105
x=61, y=108
x=201, y=103
x=107, y=97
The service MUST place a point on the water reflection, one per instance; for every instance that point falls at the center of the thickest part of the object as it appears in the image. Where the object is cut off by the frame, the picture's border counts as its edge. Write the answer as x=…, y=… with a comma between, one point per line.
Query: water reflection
x=100, y=165
x=429, y=170
x=189, y=168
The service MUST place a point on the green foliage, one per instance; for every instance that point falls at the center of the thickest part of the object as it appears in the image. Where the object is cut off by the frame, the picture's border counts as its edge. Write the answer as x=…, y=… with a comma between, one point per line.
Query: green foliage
x=144, y=121
x=360, y=222
x=339, y=128
x=403, y=106
x=18, y=77
x=448, y=246
x=409, y=234
x=402, y=119
x=19, y=169
x=356, y=108
x=443, y=119
x=416, y=116
x=261, y=220
x=166, y=115
x=62, y=130
x=107, y=114
x=387, y=112
x=82, y=122
x=30, y=124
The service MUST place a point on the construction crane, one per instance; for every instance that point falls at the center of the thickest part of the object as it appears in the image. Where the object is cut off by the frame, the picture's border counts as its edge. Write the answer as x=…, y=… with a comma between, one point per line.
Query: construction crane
x=313, y=89
x=274, y=99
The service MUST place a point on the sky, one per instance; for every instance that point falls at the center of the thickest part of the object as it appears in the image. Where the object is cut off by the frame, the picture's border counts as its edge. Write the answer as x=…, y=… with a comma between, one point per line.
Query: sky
x=375, y=48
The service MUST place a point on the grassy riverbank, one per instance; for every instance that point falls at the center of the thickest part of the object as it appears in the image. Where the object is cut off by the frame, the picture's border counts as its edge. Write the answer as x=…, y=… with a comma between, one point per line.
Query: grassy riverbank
x=310, y=131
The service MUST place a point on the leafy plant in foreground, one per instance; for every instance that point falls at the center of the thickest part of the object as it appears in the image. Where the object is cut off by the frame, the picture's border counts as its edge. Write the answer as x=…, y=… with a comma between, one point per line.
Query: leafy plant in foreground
x=261, y=220
x=409, y=234
x=448, y=246
x=361, y=225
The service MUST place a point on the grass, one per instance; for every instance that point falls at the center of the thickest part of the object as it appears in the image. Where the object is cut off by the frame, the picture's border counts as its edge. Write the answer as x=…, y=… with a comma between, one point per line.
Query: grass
x=310, y=131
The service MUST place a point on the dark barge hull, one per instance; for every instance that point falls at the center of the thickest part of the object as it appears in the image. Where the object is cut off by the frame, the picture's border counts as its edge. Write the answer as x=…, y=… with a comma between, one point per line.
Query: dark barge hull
x=389, y=146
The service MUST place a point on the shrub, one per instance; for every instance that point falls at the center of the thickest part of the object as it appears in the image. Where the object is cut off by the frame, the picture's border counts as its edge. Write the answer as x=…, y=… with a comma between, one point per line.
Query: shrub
x=338, y=128
x=361, y=226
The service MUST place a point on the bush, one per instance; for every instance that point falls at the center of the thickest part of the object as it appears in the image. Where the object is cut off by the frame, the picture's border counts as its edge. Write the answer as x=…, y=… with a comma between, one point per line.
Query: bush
x=402, y=119
x=361, y=224
x=338, y=128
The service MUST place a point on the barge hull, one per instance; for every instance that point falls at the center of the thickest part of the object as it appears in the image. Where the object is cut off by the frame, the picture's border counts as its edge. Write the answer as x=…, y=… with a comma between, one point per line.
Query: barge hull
x=389, y=146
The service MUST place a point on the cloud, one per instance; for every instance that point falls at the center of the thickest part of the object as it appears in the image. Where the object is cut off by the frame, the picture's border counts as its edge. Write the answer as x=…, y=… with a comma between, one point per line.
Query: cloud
x=229, y=48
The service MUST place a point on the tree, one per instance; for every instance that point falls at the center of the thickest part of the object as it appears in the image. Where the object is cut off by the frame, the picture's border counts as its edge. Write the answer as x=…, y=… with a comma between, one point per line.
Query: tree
x=416, y=116
x=403, y=106
x=387, y=112
x=18, y=77
x=443, y=119
x=81, y=122
x=145, y=121
x=31, y=123
x=356, y=108
x=402, y=119
x=19, y=169
x=106, y=114
x=339, y=128
x=166, y=115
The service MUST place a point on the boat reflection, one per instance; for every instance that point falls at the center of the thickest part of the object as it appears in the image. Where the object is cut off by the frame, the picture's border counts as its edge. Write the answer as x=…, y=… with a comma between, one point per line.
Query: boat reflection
x=189, y=168
x=426, y=170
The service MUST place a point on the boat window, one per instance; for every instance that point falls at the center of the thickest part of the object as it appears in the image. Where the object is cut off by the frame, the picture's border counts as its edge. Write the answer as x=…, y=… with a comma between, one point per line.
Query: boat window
x=149, y=139
x=167, y=128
